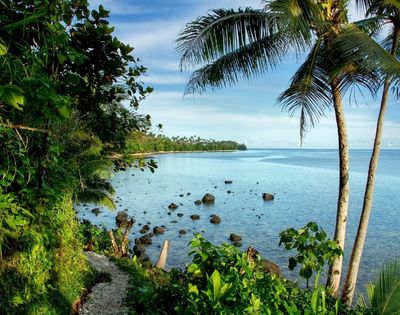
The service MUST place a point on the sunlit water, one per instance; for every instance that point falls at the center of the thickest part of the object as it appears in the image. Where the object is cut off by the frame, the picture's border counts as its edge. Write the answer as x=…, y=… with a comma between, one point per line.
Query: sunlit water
x=305, y=185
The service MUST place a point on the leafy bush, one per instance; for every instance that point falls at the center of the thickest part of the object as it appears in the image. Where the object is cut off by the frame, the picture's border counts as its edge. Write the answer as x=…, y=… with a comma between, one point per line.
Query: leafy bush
x=222, y=280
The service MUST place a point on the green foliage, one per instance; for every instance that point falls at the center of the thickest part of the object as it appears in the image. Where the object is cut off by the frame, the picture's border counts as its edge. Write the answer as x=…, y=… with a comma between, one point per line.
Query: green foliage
x=139, y=142
x=384, y=294
x=94, y=238
x=222, y=280
x=312, y=246
x=61, y=115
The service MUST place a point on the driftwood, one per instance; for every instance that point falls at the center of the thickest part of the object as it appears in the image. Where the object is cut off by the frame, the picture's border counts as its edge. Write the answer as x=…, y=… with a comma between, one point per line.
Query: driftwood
x=120, y=250
x=162, y=260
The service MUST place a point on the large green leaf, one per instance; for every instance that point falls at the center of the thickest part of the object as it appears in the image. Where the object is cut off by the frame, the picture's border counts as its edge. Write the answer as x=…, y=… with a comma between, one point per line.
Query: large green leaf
x=12, y=95
x=387, y=290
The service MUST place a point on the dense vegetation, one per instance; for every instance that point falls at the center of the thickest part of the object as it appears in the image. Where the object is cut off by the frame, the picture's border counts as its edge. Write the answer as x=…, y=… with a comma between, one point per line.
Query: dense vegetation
x=139, y=142
x=63, y=77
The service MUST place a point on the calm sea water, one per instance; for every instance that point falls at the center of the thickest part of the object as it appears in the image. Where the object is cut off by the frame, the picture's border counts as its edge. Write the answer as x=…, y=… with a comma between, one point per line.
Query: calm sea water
x=305, y=185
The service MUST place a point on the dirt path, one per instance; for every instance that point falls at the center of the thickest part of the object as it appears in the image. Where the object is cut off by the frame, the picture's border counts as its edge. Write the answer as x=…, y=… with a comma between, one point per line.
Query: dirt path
x=106, y=298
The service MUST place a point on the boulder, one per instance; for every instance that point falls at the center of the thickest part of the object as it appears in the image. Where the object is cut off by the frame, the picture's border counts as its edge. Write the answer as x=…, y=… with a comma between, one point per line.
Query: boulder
x=146, y=227
x=267, y=197
x=195, y=217
x=146, y=240
x=237, y=243
x=198, y=202
x=235, y=237
x=271, y=267
x=122, y=220
x=172, y=206
x=215, y=219
x=180, y=215
x=139, y=249
x=121, y=217
x=228, y=182
x=182, y=232
x=96, y=211
x=208, y=199
x=158, y=230
x=181, y=195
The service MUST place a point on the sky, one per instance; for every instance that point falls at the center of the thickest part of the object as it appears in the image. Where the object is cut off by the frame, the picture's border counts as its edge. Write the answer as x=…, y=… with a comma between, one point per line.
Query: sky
x=248, y=112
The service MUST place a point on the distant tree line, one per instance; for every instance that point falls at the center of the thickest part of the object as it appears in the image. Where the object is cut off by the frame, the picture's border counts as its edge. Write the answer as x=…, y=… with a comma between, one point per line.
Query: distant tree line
x=140, y=142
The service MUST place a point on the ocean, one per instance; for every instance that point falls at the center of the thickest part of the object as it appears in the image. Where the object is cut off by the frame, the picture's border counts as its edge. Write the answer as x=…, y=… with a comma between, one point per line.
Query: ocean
x=305, y=185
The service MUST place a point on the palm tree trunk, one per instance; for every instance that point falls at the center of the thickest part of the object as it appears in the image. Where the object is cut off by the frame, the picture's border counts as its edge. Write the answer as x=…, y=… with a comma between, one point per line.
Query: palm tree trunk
x=335, y=269
x=351, y=278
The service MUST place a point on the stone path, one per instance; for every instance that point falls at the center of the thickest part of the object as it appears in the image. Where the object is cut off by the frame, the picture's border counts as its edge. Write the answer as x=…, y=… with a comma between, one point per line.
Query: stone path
x=106, y=298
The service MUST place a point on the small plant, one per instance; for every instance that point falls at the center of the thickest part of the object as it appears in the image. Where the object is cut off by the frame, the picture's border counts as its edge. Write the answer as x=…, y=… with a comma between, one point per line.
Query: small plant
x=313, y=248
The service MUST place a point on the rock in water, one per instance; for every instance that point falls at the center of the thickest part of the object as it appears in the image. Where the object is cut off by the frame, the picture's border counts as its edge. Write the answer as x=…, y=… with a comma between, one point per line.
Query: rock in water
x=195, y=217
x=146, y=239
x=228, y=182
x=158, y=230
x=268, y=196
x=96, y=211
x=122, y=219
x=198, y=202
x=235, y=237
x=172, y=206
x=215, y=219
x=208, y=199
x=182, y=232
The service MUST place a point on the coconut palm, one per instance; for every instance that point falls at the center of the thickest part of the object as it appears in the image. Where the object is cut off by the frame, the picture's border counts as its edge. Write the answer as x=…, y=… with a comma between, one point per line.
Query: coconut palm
x=229, y=45
x=383, y=12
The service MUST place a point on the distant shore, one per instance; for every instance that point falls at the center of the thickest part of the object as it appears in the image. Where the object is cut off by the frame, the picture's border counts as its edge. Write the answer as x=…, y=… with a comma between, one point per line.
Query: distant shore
x=147, y=154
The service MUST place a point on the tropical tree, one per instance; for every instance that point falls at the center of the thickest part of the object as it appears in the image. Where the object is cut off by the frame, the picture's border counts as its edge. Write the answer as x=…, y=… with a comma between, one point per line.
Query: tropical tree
x=388, y=13
x=229, y=45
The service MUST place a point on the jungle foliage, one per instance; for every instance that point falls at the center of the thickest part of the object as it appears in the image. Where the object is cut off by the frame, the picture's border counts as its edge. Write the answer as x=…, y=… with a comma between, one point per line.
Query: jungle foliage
x=63, y=78
x=139, y=142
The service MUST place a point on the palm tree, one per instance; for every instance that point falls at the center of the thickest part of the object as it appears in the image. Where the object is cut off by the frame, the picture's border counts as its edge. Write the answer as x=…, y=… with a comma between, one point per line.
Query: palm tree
x=387, y=12
x=230, y=45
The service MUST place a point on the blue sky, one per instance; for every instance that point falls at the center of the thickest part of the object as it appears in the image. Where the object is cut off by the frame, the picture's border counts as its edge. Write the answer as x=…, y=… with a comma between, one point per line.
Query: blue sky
x=245, y=113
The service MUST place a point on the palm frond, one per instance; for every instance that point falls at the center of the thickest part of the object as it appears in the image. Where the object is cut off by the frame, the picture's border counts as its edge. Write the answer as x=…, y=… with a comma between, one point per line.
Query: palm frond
x=384, y=295
x=355, y=46
x=96, y=197
x=309, y=91
x=221, y=32
x=248, y=61
x=300, y=18
x=372, y=26
x=98, y=168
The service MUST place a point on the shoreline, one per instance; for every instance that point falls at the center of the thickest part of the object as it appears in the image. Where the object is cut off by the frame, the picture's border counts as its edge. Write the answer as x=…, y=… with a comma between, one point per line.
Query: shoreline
x=148, y=154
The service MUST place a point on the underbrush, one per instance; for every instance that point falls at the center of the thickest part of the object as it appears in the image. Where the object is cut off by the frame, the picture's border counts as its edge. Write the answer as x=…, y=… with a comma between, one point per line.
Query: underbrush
x=44, y=271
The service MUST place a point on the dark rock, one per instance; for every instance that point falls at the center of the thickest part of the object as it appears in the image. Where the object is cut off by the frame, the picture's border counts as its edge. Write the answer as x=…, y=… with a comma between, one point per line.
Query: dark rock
x=271, y=267
x=182, y=232
x=142, y=231
x=237, y=243
x=180, y=215
x=195, y=217
x=268, y=196
x=146, y=239
x=122, y=220
x=158, y=230
x=198, y=202
x=181, y=195
x=208, y=199
x=173, y=221
x=188, y=194
x=172, y=206
x=146, y=227
x=215, y=219
x=228, y=182
x=229, y=192
x=235, y=237
x=169, y=212
x=139, y=249
x=96, y=211
x=266, y=265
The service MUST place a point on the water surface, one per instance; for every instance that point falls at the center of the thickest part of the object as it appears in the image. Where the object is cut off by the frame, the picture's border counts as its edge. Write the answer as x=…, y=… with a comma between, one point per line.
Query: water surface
x=305, y=186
